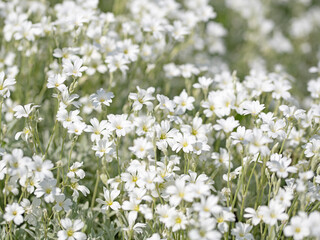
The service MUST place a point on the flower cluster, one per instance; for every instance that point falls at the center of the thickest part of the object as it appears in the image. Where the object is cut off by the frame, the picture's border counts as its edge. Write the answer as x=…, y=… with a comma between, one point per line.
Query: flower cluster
x=129, y=124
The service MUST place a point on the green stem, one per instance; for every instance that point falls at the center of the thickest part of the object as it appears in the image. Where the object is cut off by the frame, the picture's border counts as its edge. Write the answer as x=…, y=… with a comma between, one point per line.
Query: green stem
x=51, y=138
x=95, y=188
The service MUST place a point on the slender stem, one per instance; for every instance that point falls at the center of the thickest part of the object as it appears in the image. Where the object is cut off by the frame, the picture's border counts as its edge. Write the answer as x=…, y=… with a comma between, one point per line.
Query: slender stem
x=51, y=138
x=117, y=152
x=95, y=187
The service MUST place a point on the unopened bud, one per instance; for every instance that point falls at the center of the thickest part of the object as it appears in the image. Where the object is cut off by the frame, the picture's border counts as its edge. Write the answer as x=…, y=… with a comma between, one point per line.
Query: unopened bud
x=104, y=178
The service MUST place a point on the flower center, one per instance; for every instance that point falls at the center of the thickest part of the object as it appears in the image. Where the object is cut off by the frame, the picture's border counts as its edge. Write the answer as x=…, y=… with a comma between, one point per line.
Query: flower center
x=178, y=220
x=220, y=220
x=70, y=233
x=163, y=136
x=194, y=132
x=48, y=191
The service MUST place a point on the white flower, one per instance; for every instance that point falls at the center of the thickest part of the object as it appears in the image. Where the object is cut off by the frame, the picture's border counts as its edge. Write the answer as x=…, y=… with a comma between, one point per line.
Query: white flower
x=63, y=53
x=242, y=231
x=76, y=187
x=24, y=111
x=5, y=85
x=163, y=212
x=254, y=215
x=154, y=236
x=273, y=213
x=223, y=217
x=184, y=102
x=31, y=210
x=206, y=230
x=153, y=26
x=129, y=50
x=171, y=70
x=165, y=135
x=312, y=148
x=187, y=70
x=131, y=179
x=14, y=213
x=42, y=168
x=313, y=222
x=298, y=228
x=314, y=88
x=258, y=142
x=119, y=124
x=71, y=230
x=16, y=162
x=275, y=129
x=177, y=220
x=209, y=105
x=207, y=206
x=137, y=228
x=183, y=142
x=76, y=171
x=56, y=81
x=102, y=148
x=315, y=69
x=3, y=169
x=284, y=197
x=253, y=108
x=222, y=157
x=62, y=203
x=280, y=165
x=108, y=201
x=67, y=118
x=226, y=125
x=101, y=97
x=143, y=97
x=118, y=61
x=48, y=189
x=144, y=126
x=73, y=67
x=67, y=99
x=241, y=135
x=292, y=112
x=142, y=147
x=178, y=31
x=165, y=103
x=204, y=83
x=179, y=191
x=97, y=129
x=281, y=88
x=76, y=128
x=197, y=129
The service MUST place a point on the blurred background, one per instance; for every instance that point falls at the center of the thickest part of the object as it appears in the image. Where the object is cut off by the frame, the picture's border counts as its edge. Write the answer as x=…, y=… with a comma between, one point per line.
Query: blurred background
x=266, y=34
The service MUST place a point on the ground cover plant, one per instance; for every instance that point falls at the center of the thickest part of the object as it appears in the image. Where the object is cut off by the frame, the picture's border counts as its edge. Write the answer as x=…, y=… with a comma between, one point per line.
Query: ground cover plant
x=159, y=119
